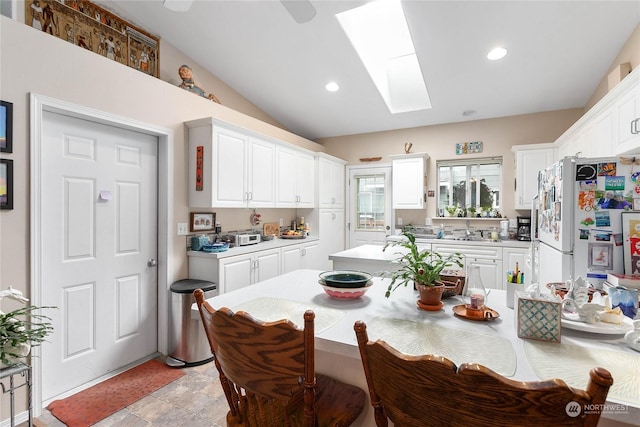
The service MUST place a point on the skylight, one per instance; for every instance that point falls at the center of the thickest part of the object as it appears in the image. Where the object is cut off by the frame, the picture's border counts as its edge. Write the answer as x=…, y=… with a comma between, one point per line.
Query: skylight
x=378, y=31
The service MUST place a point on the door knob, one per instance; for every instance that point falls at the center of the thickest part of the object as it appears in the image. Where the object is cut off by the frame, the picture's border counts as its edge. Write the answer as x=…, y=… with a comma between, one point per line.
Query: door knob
x=152, y=262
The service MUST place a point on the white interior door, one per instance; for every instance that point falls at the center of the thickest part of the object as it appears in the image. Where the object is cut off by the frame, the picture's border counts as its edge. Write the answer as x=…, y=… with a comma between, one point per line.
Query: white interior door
x=99, y=219
x=370, y=206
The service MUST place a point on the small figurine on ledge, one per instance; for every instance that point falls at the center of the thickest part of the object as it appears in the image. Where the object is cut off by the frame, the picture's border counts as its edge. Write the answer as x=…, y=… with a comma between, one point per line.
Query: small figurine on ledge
x=186, y=75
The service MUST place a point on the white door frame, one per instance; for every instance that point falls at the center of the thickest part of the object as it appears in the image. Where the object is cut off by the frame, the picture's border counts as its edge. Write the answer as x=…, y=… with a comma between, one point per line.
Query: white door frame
x=39, y=104
x=349, y=197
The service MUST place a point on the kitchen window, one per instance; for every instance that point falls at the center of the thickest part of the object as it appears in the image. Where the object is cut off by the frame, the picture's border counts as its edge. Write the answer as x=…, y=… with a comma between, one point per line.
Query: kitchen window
x=458, y=183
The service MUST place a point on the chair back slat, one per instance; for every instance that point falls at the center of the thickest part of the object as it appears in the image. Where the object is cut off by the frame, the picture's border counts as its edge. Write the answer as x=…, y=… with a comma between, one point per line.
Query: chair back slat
x=431, y=390
x=267, y=372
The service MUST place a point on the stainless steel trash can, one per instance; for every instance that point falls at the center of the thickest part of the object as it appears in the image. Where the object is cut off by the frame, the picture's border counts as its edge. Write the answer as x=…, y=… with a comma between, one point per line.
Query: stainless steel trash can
x=188, y=345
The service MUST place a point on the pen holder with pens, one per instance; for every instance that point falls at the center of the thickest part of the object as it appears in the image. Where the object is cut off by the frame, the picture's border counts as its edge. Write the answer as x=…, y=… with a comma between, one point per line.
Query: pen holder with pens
x=515, y=282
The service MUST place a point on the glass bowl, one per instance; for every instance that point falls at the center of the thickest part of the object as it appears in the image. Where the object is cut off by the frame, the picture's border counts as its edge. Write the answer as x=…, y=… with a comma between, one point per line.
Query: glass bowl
x=345, y=293
x=345, y=278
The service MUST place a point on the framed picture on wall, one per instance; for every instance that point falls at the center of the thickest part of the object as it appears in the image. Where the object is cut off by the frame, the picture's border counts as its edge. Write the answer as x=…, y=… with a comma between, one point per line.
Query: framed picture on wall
x=631, y=242
x=6, y=184
x=6, y=127
x=600, y=256
x=202, y=221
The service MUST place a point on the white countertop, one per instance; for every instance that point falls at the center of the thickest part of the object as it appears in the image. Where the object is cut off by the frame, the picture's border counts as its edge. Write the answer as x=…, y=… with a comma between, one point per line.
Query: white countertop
x=262, y=246
x=337, y=338
x=369, y=253
x=498, y=243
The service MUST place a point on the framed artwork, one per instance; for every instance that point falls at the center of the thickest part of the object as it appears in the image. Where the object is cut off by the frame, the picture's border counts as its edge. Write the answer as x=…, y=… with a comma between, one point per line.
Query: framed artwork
x=6, y=127
x=6, y=184
x=93, y=28
x=631, y=242
x=202, y=221
x=600, y=256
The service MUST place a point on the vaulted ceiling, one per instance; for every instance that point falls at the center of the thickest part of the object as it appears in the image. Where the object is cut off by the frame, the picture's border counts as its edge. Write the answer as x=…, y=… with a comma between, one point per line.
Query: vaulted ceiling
x=558, y=51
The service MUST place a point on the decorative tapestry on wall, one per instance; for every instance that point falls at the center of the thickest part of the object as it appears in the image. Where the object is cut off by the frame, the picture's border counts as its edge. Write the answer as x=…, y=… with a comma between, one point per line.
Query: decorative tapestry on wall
x=89, y=26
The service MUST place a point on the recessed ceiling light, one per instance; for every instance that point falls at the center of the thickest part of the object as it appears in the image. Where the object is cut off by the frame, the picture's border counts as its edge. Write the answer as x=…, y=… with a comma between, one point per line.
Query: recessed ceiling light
x=497, y=53
x=332, y=87
x=178, y=5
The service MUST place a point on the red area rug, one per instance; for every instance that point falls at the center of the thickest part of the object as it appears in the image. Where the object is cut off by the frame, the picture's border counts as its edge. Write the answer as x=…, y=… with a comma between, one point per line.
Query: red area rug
x=98, y=402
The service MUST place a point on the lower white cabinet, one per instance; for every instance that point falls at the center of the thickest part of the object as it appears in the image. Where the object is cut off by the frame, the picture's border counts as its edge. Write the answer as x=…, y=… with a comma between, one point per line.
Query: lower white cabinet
x=488, y=258
x=304, y=255
x=236, y=272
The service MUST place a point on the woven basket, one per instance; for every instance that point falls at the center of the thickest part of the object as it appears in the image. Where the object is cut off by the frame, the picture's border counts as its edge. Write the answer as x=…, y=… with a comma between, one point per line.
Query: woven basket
x=453, y=281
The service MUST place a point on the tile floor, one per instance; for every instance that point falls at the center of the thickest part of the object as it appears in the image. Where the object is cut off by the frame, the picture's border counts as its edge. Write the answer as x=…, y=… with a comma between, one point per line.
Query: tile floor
x=194, y=400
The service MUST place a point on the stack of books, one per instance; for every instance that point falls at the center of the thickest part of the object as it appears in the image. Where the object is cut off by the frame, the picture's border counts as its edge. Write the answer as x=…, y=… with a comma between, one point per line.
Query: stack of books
x=629, y=281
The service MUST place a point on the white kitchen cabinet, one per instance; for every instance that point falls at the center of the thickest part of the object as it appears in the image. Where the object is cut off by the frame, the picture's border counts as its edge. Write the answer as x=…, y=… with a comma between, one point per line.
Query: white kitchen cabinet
x=229, y=168
x=511, y=256
x=304, y=255
x=488, y=258
x=490, y=271
x=331, y=181
x=295, y=178
x=529, y=160
x=408, y=180
x=331, y=235
x=627, y=122
x=238, y=271
x=610, y=127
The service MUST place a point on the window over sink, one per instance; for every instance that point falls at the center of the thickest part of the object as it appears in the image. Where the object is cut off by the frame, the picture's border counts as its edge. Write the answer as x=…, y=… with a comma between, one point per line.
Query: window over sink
x=458, y=184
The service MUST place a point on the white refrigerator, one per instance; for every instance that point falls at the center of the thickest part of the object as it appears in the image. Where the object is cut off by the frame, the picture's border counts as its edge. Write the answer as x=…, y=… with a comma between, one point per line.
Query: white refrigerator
x=580, y=205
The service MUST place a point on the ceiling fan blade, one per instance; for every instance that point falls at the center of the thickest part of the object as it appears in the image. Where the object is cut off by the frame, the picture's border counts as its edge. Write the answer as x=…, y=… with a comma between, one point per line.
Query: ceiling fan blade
x=300, y=10
x=178, y=5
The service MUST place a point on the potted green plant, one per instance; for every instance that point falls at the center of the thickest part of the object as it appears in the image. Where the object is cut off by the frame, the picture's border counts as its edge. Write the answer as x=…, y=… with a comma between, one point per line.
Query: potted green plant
x=21, y=329
x=419, y=267
x=451, y=210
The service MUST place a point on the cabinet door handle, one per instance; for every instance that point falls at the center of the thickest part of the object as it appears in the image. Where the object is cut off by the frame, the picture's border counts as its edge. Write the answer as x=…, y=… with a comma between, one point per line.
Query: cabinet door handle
x=634, y=126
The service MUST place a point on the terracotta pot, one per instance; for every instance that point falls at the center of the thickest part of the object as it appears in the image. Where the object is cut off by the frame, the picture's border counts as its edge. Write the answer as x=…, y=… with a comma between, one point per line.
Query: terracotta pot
x=430, y=295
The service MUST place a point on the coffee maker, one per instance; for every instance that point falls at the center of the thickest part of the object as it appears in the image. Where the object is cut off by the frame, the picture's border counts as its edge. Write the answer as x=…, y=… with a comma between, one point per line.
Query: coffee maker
x=524, y=228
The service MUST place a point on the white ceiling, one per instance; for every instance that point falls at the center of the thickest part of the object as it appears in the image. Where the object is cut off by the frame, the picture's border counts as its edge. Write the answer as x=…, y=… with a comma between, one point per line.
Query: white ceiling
x=558, y=53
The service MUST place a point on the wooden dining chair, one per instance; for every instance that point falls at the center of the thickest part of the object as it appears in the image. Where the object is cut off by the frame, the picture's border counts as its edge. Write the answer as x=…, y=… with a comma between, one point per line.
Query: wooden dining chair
x=430, y=390
x=268, y=375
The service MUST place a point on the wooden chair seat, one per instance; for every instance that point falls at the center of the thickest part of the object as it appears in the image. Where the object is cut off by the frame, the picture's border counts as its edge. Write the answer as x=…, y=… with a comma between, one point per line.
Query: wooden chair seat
x=418, y=391
x=267, y=372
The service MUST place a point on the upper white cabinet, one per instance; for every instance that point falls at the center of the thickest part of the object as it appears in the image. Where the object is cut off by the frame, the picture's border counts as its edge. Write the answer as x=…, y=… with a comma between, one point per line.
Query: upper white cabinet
x=611, y=127
x=408, y=180
x=626, y=113
x=228, y=167
x=529, y=160
x=231, y=167
x=331, y=232
x=295, y=178
x=331, y=181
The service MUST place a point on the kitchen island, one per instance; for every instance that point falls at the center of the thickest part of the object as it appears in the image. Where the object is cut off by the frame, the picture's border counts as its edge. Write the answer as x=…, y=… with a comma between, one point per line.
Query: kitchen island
x=494, y=258
x=400, y=322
